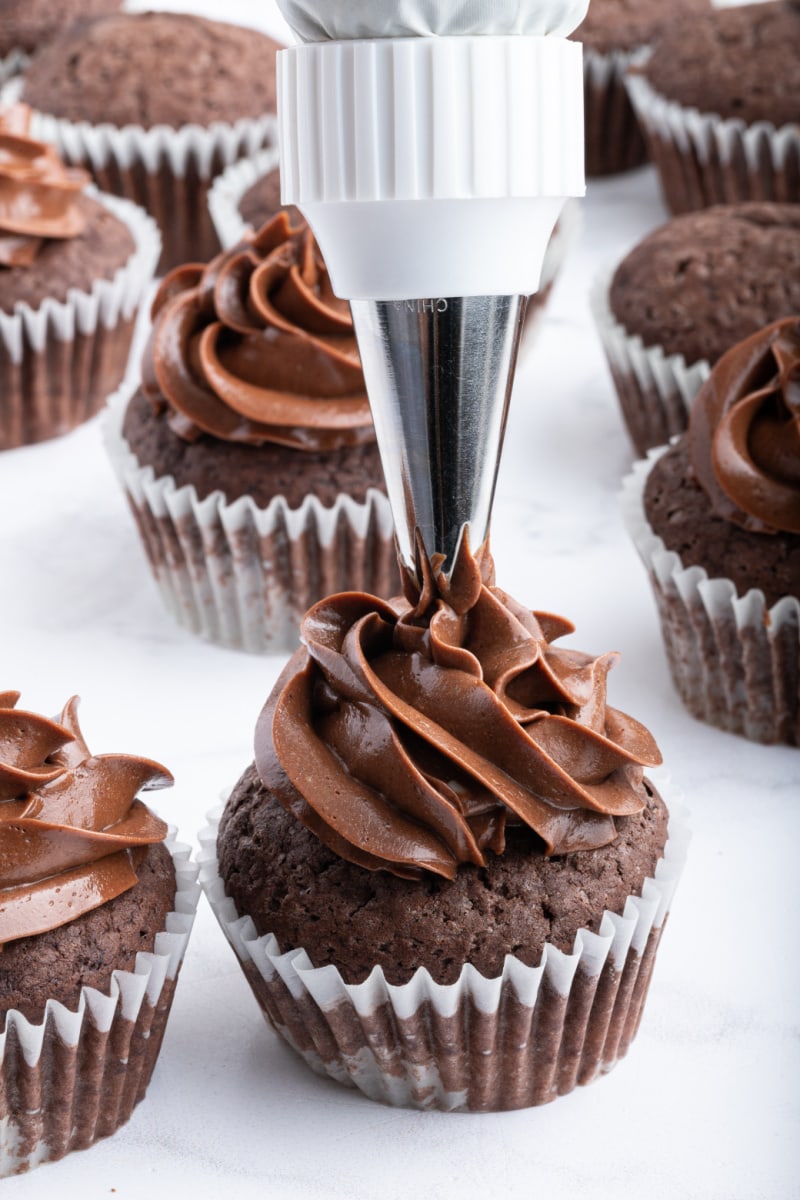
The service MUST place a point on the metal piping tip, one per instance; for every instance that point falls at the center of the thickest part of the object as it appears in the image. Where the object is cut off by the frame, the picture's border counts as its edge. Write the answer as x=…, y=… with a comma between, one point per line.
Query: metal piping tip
x=439, y=375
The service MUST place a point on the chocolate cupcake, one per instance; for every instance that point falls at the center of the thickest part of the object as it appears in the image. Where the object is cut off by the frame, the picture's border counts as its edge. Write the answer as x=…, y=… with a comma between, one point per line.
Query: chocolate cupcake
x=445, y=876
x=156, y=105
x=716, y=519
x=246, y=196
x=74, y=265
x=719, y=101
x=614, y=33
x=27, y=25
x=95, y=914
x=248, y=453
x=683, y=296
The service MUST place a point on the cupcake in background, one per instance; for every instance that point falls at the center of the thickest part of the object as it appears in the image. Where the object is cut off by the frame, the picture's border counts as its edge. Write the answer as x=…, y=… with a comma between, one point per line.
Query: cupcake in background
x=248, y=453
x=445, y=877
x=74, y=266
x=27, y=25
x=715, y=518
x=719, y=102
x=155, y=105
x=682, y=296
x=95, y=914
x=614, y=33
x=246, y=195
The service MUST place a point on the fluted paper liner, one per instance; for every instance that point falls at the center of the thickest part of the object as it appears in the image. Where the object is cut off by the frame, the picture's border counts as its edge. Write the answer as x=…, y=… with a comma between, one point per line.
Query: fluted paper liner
x=76, y=1076
x=477, y=1045
x=227, y=190
x=614, y=139
x=705, y=159
x=733, y=661
x=243, y=576
x=655, y=390
x=167, y=171
x=60, y=361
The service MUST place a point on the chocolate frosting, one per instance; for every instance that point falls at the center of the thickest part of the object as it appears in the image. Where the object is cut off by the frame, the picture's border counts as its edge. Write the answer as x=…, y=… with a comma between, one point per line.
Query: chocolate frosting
x=71, y=831
x=38, y=193
x=406, y=735
x=256, y=348
x=744, y=431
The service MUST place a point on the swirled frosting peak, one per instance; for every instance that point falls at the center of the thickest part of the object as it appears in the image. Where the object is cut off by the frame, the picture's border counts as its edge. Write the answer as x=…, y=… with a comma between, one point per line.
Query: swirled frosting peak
x=256, y=348
x=744, y=431
x=38, y=193
x=71, y=829
x=407, y=735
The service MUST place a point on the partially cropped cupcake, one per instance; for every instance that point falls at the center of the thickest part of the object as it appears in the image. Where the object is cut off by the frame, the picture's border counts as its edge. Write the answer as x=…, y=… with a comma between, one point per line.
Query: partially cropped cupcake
x=246, y=196
x=155, y=105
x=614, y=33
x=95, y=915
x=28, y=25
x=682, y=296
x=716, y=519
x=445, y=876
x=248, y=453
x=719, y=101
x=74, y=266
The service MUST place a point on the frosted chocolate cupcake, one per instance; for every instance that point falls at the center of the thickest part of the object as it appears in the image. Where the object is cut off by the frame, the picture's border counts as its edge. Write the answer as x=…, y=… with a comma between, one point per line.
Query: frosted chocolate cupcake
x=156, y=105
x=614, y=33
x=445, y=876
x=719, y=101
x=683, y=296
x=716, y=520
x=74, y=265
x=248, y=453
x=95, y=913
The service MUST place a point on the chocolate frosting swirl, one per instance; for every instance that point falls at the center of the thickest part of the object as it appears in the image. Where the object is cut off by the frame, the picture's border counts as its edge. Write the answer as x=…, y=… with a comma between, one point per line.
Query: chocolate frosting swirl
x=38, y=194
x=256, y=348
x=71, y=831
x=744, y=431
x=406, y=735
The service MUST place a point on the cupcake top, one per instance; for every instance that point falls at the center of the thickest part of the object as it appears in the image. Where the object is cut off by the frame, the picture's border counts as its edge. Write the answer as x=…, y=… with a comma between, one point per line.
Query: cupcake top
x=53, y=237
x=28, y=24
x=154, y=68
x=725, y=496
x=629, y=24
x=72, y=833
x=255, y=348
x=734, y=61
x=408, y=736
x=705, y=280
x=262, y=201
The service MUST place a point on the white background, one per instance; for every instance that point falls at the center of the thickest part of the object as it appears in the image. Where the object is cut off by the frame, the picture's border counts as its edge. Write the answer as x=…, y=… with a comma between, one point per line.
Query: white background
x=705, y=1105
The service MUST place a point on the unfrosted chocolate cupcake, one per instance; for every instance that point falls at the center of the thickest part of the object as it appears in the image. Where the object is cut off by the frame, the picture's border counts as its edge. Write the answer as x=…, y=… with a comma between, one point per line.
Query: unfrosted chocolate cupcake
x=248, y=453
x=74, y=265
x=28, y=25
x=443, y=828
x=156, y=105
x=88, y=890
x=719, y=101
x=246, y=195
x=613, y=33
x=716, y=519
x=683, y=296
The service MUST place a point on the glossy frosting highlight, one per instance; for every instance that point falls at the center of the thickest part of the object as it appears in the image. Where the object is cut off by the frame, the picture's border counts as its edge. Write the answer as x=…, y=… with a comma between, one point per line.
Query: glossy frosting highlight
x=406, y=735
x=71, y=828
x=38, y=193
x=255, y=347
x=744, y=431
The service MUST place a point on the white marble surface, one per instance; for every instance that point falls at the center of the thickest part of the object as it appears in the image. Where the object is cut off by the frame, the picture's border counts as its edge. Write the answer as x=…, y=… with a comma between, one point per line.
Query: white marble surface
x=705, y=1105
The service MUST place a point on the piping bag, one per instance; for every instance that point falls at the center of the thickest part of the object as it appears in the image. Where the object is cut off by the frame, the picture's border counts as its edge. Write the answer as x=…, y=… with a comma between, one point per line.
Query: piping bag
x=430, y=145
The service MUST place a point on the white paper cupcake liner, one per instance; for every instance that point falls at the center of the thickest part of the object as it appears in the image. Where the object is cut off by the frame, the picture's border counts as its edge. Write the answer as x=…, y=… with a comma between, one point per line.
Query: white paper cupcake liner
x=76, y=1076
x=13, y=64
x=734, y=661
x=655, y=390
x=614, y=140
x=475, y=1045
x=60, y=361
x=167, y=171
x=243, y=576
x=704, y=159
x=227, y=190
